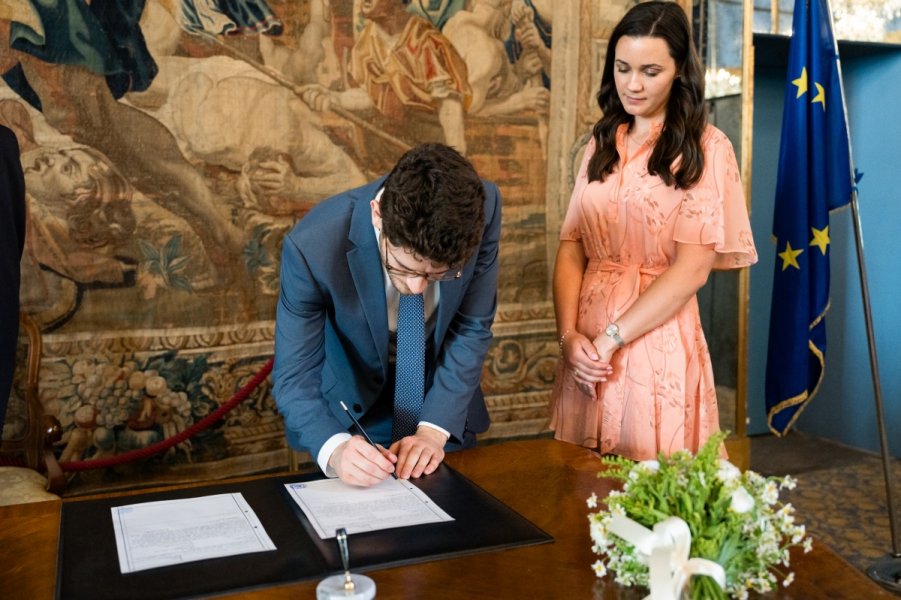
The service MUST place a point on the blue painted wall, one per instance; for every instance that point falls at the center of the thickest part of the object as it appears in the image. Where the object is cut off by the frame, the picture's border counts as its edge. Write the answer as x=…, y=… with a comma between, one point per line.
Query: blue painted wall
x=844, y=409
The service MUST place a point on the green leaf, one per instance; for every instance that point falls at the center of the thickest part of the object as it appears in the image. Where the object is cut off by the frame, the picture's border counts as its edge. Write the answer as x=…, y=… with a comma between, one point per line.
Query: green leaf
x=172, y=247
x=149, y=252
x=179, y=263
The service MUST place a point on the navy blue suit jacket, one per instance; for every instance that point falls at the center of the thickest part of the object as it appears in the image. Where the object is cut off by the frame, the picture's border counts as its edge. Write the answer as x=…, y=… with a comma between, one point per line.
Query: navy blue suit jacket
x=12, y=240
x=331, y=327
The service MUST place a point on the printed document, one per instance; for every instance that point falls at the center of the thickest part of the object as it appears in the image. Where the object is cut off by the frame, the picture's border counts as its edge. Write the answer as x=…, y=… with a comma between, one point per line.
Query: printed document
x=330, y=504
x=169, y=532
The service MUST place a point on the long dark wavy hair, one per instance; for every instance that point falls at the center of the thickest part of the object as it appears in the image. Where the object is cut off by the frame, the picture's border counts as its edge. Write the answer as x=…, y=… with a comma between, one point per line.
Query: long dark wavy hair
x=686, y=110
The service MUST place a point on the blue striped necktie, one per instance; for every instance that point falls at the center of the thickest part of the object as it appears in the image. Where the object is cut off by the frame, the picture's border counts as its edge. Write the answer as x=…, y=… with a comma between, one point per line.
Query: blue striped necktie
x=409, y=381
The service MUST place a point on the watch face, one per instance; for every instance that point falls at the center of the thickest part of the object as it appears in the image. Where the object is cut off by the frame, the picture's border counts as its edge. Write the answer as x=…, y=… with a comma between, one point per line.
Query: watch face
x=612, y=331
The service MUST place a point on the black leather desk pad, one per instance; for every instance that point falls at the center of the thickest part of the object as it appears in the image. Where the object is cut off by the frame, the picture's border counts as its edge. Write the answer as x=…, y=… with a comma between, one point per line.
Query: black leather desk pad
x=88, y=565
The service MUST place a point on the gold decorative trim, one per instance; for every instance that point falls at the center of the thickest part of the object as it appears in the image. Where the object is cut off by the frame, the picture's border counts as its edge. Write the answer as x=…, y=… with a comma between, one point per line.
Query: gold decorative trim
x=186, y=340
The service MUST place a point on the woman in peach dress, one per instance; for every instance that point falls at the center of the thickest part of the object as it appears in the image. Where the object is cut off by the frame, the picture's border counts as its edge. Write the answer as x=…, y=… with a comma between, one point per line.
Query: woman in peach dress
x=657, y=205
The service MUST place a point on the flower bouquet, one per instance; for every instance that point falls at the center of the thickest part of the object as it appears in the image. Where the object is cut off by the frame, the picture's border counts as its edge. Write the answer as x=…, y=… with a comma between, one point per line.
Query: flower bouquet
x=694, y=525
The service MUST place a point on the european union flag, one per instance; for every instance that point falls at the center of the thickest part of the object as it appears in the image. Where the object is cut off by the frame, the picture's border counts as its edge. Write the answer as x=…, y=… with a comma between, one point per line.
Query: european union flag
x=814, y=177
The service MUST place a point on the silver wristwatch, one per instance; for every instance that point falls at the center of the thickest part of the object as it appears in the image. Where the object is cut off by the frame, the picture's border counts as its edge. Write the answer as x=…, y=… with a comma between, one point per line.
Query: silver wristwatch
x=613, y=331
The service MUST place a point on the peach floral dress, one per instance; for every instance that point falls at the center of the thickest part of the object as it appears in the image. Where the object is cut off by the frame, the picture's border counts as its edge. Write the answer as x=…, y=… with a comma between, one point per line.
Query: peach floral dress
x=661, y=396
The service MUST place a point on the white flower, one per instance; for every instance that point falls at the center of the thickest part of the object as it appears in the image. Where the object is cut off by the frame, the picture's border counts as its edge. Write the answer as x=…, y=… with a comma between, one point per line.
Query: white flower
x=727, y=472
x=785, y=513
x=786, y=559
x=755, y=478
x=788, y=579
x=592, y=501
x=598, y=532
x=789, y=483
x=768, y=547
x=651, y=466
x=807, y=545
x=599, y=569
x=742, y=501
x=770, y=492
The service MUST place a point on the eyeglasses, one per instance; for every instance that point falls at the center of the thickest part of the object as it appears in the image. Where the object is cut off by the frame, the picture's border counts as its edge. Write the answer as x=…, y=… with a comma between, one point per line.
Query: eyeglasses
x=448, y=275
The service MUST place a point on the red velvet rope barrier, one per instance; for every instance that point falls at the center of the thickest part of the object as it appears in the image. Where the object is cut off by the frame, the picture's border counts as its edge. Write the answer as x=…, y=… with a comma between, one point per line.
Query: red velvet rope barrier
x=111, y=461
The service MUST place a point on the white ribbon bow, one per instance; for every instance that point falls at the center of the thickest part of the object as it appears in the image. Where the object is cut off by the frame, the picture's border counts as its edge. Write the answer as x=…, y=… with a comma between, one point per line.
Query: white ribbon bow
x=666, y=549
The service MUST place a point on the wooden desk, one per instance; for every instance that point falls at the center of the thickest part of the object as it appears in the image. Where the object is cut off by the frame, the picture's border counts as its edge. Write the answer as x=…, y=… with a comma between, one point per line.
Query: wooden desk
x=544, y=480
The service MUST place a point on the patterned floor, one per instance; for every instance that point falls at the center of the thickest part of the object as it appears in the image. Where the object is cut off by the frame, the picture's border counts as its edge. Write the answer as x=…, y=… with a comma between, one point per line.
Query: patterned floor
x=841, y=493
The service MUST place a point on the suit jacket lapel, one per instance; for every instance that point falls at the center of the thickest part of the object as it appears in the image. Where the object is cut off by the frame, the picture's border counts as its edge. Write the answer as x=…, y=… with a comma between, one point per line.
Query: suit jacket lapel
x=366, y=269
x=451, y=291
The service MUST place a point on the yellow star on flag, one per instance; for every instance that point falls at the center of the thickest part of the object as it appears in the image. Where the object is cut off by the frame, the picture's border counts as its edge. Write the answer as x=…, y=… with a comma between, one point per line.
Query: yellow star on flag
x=820, y=238
x=801, y=82
x=790, y=257
x=821, y=95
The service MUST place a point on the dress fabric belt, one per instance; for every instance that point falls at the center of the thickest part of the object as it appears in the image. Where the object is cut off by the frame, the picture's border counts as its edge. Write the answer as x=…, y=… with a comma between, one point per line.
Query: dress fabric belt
x=626, y=290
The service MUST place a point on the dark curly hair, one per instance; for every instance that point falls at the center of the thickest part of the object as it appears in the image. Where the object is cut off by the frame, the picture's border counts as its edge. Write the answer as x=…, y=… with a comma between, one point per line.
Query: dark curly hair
x=686, y=111
x=433, y=204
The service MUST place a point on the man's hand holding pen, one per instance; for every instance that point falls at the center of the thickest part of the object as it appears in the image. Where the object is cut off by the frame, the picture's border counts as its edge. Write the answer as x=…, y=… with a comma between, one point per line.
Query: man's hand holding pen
x=358, y=462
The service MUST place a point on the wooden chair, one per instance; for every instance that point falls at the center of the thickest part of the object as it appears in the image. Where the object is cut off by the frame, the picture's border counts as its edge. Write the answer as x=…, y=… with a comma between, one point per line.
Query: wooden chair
x=31, y=472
